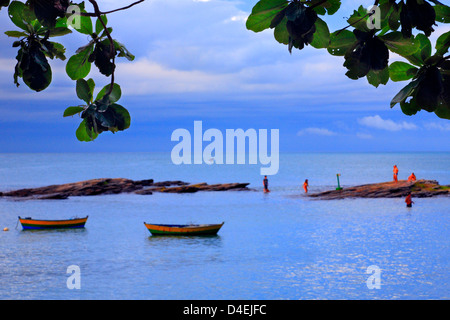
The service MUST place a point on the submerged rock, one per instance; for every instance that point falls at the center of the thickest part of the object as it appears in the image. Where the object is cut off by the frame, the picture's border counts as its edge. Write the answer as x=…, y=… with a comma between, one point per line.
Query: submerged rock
x=418, y=189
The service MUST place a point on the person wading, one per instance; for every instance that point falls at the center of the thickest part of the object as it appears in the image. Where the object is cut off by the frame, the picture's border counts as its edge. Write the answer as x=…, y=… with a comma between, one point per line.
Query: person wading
x=305, y=185
x=408, y=200
x=266, y=184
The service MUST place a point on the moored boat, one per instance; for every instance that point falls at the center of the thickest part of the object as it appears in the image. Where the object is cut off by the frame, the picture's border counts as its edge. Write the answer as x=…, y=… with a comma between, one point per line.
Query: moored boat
x=29, y=223
x=183, y=229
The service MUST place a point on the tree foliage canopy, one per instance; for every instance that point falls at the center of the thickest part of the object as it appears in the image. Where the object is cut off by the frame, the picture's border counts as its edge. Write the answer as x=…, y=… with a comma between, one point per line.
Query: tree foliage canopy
x=402, y=27
x=38, y=22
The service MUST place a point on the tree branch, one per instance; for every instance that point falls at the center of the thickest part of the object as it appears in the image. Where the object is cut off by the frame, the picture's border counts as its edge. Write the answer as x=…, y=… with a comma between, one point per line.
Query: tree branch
x=112, y=49
x=94, y=14
x=362, y=18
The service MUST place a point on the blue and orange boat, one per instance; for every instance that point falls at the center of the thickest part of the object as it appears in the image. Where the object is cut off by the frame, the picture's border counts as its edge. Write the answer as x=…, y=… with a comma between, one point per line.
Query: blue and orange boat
x=183, y=229
x=29, y=223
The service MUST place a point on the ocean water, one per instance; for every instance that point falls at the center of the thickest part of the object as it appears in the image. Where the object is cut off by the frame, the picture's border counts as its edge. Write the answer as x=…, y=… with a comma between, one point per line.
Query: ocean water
x=280, y=245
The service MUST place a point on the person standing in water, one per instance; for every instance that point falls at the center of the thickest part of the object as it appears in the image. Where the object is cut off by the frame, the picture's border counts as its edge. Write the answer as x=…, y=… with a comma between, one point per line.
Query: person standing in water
x=305, y=185
x=395, y=173
x=266, y=184
x=408, y=200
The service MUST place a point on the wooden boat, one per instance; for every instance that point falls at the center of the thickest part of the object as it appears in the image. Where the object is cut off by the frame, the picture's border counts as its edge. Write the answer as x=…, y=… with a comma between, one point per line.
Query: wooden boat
x=183, y=229
x=29, y=223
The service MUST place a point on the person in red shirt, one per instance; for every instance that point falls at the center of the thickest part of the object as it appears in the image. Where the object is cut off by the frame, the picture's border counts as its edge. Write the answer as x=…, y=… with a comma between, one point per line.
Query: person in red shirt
x=408, y=200
x=412, y=177
x=395, y=173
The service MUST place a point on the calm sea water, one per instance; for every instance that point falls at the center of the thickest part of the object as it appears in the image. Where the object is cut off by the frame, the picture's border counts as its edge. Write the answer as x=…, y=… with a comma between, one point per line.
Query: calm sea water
x=272, y=246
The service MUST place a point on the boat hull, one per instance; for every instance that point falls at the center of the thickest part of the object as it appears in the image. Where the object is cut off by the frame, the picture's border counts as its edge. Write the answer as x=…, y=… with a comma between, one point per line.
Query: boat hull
x=33, y=224
x=183, y=230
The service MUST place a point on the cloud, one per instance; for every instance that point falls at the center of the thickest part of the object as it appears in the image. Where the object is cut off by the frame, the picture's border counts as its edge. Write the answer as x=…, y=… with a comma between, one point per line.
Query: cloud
x=438, y=126
x=379, y=123
x=144, y=77
x=316, y=131
x=364, y=135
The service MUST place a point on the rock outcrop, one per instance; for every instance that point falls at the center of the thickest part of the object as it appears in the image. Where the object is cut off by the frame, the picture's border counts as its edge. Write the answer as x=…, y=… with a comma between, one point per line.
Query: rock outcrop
x=418, y=189
x=190, y=188
x=117, y=185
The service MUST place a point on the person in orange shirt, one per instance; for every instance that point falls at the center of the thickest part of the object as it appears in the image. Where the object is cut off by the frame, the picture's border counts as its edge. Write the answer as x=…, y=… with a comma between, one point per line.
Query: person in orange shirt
x=305, y=185
x=408, y=200
x=412, y=177
x=395, y=173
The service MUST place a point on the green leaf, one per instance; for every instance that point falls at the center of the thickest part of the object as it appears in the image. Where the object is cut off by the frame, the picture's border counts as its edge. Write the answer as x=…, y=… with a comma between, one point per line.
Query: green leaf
x=78, y=66
x=442, y=13
x=404, y=93
x=103, y=34
x=57, y=32
x=58, y=50
x=400, y=45
x=394, y=18
x=123, y=51
x=321, y=37
x=409, y=108
x=21, y=15
x=331, y=6
x=340, y=42
x=114, y=96
x=263, y=13
x=424, y=52
x=443, y=112
x=98, y=24
x=121, y=116
x=401, y=71
x=377, y=77
x=84, y=91
x=280, y=32
x=16, y=34
x=71, y=111
x=102, y=57
x=443, y=43
x=359, y=19
x=85, y=24
x=91, y=85
x=61, y=22
x=84, y=133
x=32, y=66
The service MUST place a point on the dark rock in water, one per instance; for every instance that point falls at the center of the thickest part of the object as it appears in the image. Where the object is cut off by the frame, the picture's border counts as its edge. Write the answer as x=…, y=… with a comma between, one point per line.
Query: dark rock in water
x=82, y=188
x=117, y=185
x=418, y=189
x=169, y=183
x=182, y=187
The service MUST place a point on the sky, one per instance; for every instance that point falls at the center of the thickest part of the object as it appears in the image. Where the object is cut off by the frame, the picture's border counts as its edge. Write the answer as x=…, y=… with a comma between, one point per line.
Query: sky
x=195, y=60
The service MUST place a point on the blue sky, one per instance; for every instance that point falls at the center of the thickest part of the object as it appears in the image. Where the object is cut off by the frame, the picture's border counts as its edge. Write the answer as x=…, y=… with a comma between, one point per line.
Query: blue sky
x=195, y=60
